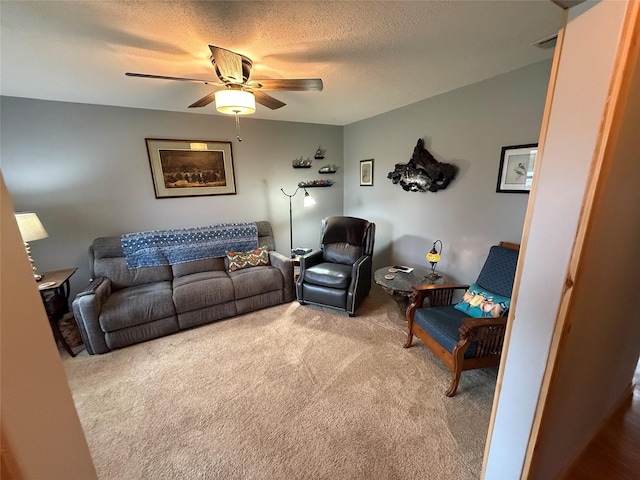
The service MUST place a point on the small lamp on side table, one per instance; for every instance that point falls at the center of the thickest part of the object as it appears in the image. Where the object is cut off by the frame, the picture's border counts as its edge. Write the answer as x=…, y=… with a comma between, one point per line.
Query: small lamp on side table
x=31, y=229
x=433, y=257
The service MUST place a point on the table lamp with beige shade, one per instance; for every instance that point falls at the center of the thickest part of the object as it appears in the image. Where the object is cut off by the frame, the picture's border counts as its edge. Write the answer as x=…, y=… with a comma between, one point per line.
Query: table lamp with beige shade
x=31, y=229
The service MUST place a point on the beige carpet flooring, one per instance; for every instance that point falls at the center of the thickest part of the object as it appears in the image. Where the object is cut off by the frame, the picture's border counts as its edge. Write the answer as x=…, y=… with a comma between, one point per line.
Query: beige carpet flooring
x=289, y=392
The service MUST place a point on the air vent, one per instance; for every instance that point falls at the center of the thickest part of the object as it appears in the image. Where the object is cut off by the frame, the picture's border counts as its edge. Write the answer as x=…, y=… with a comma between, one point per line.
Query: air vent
x=546, y=42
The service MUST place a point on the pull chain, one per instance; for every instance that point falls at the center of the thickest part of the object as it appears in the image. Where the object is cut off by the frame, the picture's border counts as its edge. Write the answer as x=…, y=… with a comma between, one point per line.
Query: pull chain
x=238, y=127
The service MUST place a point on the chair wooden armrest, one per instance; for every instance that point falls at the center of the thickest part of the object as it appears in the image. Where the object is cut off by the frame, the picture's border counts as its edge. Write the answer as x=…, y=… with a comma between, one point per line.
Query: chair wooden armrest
x=473, y=323
x=488, y=332
x=438, y=295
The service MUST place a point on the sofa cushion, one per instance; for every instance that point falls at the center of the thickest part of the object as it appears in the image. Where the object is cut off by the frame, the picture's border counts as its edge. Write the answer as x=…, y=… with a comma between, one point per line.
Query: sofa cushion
x=116, y=270
x=137, y=305
x=200, y=290
x=480, y=303
x=262, y=300
x=107, y=247
x=208, y=314
x=334, y=275
x=265, y=235
x=255, y=281
x=198, y=266
x=108, y=261
x=251, y=258
x=140, y=333
x=442, y=324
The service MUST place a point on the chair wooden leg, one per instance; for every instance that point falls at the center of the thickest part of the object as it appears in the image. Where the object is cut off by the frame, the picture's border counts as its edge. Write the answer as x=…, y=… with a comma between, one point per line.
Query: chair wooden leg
x=409, y=340
x=455, y=379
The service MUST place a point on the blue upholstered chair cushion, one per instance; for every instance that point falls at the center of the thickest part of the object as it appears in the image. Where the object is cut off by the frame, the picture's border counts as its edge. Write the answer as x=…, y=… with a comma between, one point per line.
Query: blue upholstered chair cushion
x=442, y=324
x=480, y=303
x=499, y=271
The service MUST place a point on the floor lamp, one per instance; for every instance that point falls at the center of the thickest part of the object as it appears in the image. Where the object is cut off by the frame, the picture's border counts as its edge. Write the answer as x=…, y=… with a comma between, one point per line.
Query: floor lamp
x=308, y=201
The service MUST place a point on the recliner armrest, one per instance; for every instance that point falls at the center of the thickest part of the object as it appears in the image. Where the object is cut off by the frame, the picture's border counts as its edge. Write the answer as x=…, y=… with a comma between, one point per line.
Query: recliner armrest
x=360, y=282
x=280, y=261
x=87, y=306
x=311, y=259
x=93, y=286
x=285, y=265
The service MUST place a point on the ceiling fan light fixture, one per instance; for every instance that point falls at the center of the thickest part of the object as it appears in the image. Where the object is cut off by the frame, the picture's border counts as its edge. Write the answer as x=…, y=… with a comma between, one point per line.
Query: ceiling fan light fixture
x=235, y=102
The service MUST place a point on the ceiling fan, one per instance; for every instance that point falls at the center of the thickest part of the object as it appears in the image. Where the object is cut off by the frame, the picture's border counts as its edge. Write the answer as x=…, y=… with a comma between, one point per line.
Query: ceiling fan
x=236, y=93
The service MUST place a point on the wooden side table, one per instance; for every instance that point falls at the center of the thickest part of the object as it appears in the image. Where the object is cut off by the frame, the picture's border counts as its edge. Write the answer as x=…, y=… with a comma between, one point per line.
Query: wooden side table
x=54, y=290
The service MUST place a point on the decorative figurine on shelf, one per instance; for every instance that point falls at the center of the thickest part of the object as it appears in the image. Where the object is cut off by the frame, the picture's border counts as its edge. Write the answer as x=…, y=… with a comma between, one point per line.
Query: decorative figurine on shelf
x=316, y=183
x=433, y=257
x=328, y=169
x=301, y=163
x=319, y=155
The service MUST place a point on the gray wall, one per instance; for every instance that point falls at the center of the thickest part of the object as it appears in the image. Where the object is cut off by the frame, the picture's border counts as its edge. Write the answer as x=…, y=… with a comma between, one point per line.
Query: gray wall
x=467, y=127
x=84, y=170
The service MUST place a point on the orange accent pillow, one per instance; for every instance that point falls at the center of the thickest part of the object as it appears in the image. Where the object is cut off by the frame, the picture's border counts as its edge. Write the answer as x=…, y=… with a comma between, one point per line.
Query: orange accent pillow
x=252, y=258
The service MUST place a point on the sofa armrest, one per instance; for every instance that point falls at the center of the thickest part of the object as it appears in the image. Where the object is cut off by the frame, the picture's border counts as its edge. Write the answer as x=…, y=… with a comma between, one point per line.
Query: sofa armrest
x=285, y=265
x=86, y=309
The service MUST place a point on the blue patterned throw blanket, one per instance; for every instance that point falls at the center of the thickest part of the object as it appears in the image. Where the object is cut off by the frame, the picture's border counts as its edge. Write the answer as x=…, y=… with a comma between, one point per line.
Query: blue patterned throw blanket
x=170, y=247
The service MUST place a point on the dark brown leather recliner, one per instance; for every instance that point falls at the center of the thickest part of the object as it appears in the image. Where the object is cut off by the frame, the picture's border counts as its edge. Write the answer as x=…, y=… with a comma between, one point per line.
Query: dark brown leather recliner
x=339, y=274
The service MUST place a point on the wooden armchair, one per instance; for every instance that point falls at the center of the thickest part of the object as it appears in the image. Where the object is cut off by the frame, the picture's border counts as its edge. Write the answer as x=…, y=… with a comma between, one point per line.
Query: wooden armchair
x=451, y=332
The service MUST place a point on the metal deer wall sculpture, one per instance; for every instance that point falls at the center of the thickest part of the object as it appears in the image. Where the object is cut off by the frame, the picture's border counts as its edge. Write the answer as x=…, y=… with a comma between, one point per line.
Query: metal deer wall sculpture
x=423, y=173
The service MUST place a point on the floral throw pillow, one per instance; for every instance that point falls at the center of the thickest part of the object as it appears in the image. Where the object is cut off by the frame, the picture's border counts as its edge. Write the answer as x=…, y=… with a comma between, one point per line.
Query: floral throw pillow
x=252, y=258
x=480, y=303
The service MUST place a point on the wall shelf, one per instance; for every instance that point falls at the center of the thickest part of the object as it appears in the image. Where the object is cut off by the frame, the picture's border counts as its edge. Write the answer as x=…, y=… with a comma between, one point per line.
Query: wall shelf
x=316, y=183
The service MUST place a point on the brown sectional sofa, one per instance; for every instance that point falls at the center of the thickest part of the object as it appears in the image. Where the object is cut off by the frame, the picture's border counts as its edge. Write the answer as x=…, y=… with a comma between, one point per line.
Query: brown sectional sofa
x=122, y=306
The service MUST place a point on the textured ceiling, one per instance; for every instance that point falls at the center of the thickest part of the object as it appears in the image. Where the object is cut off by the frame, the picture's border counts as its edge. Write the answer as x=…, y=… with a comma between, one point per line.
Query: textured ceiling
x=372, y=56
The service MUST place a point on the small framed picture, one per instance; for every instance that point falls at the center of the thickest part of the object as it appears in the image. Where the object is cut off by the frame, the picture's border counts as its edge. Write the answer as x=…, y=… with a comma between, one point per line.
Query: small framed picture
x=515, y=174
x=366, y=173
x=187, y=168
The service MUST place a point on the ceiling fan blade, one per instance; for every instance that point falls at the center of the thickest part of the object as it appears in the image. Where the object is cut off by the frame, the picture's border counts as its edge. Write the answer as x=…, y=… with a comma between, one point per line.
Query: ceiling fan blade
x=267, y=100
x=181, y=79
x=228, y=64
x=290, y=84
x=204, y=101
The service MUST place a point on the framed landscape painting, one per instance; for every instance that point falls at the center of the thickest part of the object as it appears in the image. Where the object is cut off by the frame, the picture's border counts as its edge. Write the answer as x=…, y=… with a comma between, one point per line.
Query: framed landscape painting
x=187, y=168
x=515, y=174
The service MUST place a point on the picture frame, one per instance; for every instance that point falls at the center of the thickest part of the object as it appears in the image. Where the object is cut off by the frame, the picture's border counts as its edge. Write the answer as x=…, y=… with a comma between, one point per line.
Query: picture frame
x=366, y=173
x=188, y=168
x=515, y=173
